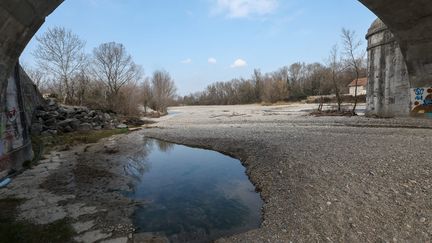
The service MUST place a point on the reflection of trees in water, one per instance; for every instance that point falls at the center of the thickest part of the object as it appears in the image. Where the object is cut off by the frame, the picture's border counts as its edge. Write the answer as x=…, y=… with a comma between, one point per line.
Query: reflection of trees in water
x=136, y=167
x=164, y=146
x=148, y=144
x=137, y=163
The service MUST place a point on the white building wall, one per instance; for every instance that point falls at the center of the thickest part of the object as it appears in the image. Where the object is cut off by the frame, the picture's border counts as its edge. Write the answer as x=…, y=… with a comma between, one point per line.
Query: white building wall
x=361, y=90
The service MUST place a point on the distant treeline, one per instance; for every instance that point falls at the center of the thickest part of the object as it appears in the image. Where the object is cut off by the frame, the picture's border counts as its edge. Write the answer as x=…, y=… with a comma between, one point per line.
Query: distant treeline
x=289, y=83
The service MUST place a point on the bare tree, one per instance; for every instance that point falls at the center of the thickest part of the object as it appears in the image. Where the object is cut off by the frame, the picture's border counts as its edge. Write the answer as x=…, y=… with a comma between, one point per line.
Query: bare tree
x=61, y=54
x=296, y=80
x=335, y=67
x=130, y=99
x=295, y=72
x=257, y=79
x=113, y=66
x=353, y=57
x=146, y=94
x=164, y=90
x=82, y=82
x=36, y=75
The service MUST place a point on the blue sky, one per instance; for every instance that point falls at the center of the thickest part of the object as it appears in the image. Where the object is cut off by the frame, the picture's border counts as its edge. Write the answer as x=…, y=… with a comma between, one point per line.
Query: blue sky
x=203, y=41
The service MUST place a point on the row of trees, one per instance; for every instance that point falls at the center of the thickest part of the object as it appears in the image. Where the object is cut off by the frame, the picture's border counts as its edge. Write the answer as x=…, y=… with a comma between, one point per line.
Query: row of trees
x=108, y=78
x=293, y=82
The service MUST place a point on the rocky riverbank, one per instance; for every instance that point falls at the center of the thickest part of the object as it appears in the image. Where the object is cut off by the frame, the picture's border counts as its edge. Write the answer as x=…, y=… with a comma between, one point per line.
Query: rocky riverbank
x=53, y=118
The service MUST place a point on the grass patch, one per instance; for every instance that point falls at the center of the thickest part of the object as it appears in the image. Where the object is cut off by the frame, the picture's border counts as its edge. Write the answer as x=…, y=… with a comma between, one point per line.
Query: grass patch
x=277, y=103
x=347, y=113
x=45, y=144
x=12, y=230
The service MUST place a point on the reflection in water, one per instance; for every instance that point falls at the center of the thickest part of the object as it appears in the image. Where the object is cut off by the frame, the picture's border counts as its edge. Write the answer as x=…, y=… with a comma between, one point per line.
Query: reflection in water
x=191, y=195
x=164, y=146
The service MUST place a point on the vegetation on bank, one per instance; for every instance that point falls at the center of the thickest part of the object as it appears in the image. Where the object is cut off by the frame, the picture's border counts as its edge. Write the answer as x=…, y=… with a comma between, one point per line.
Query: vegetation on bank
x=45, y=144
x=12, y=230
x=107, y=79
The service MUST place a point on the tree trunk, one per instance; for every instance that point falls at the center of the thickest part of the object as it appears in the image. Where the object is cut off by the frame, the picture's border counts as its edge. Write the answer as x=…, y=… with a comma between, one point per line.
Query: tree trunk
x=338, y=97
x=145, y=107
x=355, y=93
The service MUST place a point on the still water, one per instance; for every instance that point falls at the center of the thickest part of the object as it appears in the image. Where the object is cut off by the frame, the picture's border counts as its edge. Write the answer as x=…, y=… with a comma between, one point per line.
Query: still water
x=191, y=195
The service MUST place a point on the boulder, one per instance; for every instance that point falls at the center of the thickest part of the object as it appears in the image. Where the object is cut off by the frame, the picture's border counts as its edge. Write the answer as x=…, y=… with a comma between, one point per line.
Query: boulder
x=85, y=127
x=50, y=122
x=54, y=117
x=107, y=116
x=108, y=126
x=72, y=122
x=67, y=129
x=122, y=126
x=36, y=129
x=52, y=102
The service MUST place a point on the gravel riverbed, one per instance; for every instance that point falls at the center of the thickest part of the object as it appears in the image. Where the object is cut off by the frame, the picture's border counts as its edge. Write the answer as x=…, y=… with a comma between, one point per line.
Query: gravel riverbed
x=335, y=179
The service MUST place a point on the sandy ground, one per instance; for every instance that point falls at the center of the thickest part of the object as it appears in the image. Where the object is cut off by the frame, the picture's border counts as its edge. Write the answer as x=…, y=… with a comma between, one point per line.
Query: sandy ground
x=335, y=179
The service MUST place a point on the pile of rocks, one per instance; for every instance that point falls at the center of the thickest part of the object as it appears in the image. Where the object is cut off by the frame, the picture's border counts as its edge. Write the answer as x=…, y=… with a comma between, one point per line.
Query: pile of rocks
x=53, y=119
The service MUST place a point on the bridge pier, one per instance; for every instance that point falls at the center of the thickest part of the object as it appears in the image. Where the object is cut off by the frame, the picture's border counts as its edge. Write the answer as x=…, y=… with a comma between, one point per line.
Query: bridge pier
x=392, y=92
x=388, y=92
x=22, y=99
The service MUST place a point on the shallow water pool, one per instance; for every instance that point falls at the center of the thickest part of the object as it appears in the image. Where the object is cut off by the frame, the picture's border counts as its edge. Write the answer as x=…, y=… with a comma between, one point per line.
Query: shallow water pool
x=191, y=195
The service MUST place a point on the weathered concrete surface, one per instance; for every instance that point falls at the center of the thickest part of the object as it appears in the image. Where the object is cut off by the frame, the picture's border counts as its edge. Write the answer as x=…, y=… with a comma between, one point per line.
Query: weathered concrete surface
x=411, y=23
x=19, y=21
x=22, y=98
x=388, y=81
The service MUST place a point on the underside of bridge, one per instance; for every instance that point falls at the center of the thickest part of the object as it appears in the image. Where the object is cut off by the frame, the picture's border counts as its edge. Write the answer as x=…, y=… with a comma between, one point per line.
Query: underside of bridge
x=410, y=21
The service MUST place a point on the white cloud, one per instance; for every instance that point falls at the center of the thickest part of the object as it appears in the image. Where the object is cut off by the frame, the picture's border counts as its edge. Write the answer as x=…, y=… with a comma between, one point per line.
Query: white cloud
x=212, y=60
x=186, y=61
x=245, y=8
x=239, y=63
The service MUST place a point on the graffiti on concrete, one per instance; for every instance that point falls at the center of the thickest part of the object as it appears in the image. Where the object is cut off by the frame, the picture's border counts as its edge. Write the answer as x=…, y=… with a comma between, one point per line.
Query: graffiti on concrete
x=14, y=136
x=11, y=129
x=422, y=101
x=12, y=114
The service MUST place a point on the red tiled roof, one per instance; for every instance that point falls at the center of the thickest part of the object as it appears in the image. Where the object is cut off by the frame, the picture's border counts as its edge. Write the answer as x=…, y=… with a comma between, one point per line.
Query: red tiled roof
x=361, y=82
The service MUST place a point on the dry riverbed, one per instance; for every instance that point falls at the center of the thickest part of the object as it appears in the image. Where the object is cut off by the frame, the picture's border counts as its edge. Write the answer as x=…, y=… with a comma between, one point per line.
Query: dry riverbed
x=322, y=178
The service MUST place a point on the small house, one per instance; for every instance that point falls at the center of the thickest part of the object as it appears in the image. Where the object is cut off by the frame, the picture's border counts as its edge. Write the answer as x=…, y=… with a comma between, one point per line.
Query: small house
x=361, y=87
